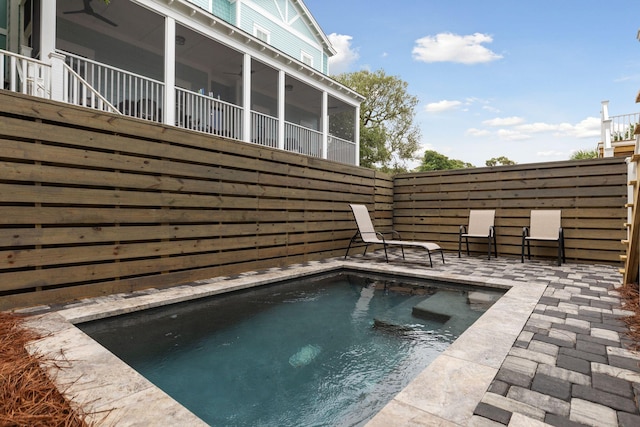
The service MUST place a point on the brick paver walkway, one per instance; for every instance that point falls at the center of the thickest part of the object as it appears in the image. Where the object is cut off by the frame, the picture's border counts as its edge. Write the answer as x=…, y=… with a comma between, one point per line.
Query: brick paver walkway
x=570, y=365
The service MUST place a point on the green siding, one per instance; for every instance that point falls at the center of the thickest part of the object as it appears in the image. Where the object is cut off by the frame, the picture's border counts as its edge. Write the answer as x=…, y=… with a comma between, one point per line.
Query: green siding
x=281, y=37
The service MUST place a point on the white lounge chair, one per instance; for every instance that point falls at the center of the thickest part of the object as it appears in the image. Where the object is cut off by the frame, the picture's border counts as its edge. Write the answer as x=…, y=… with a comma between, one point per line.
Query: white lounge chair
x=369, y=236
x=545, y=226
x=481, y=225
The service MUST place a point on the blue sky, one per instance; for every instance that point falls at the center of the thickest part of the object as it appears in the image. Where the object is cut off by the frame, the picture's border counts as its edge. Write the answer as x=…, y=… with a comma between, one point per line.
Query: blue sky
x=514, y=78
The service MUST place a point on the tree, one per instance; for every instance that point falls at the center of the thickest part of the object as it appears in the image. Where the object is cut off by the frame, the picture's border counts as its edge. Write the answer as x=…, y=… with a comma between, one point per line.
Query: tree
x=499, y=161
x=388, y=136
x=585, y=154
x=434, y=161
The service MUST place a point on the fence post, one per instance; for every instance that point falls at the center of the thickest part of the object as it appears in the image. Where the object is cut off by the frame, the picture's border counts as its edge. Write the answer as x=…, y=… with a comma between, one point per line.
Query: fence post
x=606, y=130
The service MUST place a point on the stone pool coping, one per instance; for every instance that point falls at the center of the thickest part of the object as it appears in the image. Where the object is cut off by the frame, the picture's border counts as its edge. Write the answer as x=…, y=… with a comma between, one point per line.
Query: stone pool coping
x=444, y=394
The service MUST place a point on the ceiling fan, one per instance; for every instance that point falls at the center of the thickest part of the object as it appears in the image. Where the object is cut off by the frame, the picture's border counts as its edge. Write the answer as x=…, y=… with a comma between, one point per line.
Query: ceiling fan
x=239, y=73
x=87, y=9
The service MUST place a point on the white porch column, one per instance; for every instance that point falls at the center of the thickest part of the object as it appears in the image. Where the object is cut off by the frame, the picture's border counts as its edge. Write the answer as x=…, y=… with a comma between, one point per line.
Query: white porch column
x=47, y=28
x=356, y=133
x=324, y=122
x=57, y=76
x=246, y=98
x=281, y=108
x=169, y=105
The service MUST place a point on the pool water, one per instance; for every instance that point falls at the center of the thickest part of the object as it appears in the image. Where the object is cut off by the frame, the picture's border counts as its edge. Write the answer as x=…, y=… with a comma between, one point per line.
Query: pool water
x=320, y=352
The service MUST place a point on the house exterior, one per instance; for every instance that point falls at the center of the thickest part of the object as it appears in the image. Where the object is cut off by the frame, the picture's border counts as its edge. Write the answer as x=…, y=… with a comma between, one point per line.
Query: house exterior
x=250, y=70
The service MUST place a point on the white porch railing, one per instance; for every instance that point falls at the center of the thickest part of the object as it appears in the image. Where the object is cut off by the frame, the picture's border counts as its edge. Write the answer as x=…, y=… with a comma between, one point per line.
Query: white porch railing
x=300, y=139
x=264, y=129
x=624, y=126
x=132, y=94
x=206, y=114
x=84, y=82
x=25, y=75
x=78, y=91
x=341, y=150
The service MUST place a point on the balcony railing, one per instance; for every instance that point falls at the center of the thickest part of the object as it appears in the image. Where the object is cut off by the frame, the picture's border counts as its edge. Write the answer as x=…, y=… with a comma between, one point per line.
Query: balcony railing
x=91, y=84
x=25, y=75
x=264, y=129
x=132, y=94
x=300, y=139
x=341, y=150
x=206, y=114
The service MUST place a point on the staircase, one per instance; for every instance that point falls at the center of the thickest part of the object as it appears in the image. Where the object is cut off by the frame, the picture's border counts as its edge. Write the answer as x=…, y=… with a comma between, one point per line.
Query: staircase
x=632, y=242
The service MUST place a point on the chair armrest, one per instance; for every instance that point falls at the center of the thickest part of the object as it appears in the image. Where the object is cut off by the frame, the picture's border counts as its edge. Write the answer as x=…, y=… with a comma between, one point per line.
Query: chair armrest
x=463, y=229
x=525, y=231
x=492, y=231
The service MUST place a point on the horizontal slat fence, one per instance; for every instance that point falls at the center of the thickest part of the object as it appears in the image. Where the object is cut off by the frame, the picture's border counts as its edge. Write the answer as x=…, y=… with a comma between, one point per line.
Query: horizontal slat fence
x=92, y=203
x=591, y=194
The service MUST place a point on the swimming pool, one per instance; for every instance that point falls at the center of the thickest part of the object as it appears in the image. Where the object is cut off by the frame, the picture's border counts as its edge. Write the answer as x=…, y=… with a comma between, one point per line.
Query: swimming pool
x=321, y=351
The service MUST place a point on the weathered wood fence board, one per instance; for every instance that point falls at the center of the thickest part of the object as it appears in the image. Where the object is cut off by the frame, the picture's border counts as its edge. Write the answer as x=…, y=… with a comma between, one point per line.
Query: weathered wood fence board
x=93, y=203
x=591, y=194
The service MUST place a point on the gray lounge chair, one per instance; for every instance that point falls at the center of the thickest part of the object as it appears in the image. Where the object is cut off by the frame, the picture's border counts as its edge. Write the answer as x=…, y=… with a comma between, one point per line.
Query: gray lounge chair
x=369, y=236
x=481, y=225
x=545, y=226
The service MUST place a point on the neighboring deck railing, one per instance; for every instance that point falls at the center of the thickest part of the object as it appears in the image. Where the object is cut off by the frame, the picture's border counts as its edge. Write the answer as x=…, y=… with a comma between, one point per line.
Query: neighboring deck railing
x=25, y=75
x=624, y=126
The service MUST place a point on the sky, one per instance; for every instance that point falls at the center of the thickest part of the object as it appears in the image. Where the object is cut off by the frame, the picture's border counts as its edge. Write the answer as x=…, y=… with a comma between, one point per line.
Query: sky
x=523, y=79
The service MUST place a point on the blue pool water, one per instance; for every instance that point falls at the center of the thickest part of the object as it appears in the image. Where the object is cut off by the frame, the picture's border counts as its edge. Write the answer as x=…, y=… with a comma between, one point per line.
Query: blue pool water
x=320, y=352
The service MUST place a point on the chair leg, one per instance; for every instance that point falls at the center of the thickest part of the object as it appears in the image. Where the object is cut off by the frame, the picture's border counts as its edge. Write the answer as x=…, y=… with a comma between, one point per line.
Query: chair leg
x=466, y=240
x=522, y=254
x=384, y=245
x=349, y=247
x=559, y=253
x=495, y=246
x=442, y=254
x=402, y=249
x=459, y=243
x=528, y=249
x=430, y=261
x=489, y=248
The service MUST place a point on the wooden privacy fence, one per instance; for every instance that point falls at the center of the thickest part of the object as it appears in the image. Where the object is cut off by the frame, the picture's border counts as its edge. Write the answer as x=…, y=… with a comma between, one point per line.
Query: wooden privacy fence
x=590, y=193
x=92, y=203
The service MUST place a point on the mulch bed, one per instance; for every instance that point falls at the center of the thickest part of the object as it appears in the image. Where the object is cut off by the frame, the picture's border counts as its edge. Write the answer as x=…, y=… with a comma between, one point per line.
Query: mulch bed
x=630, y=301
x=27, y=395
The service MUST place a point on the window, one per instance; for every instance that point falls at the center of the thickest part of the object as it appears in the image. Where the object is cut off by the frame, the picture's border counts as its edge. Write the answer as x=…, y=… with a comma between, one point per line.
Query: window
x=306, y=59
x=261, y=33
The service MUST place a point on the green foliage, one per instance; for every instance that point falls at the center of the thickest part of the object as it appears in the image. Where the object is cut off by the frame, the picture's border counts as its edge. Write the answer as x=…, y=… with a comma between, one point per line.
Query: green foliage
x=585, y=154
x=434, y=161
x=388, y=136
x=500, y=161
x=627, y=135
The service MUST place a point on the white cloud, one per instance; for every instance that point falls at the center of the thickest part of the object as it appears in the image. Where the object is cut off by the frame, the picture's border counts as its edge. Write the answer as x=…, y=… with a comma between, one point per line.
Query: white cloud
x=587, y=128
x=538, y=127
x=448, y=47
x=444, y=105
x=346, y=54
x=477, y=132
x=512, y=135
x=504, y=121
x=551, y=153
